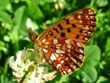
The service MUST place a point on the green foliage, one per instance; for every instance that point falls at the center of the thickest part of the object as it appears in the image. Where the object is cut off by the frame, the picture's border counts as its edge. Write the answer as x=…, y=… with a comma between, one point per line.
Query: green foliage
x=14, y=15
x=5, y=79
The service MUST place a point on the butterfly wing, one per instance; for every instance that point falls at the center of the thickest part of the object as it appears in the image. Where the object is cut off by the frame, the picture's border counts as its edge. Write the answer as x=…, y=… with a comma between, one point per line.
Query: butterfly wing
x=62, y=43
x=64, y=55
x=77, y=26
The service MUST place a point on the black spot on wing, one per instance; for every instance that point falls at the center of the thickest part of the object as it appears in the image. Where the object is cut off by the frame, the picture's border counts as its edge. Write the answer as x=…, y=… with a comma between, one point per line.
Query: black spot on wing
x=81, y=31
x=68, y=30
x=50, y=33
x=62, y=34
x=77, y=36
x=56, y=30
x=73, y=25
x=67, y=21
x=60, y=27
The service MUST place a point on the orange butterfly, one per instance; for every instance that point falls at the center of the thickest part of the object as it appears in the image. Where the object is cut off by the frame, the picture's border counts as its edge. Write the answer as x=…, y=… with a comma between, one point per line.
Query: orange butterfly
x=62, y=44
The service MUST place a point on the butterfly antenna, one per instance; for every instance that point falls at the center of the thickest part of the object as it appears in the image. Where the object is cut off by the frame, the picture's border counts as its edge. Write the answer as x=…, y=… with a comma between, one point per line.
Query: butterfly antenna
x=34, y=20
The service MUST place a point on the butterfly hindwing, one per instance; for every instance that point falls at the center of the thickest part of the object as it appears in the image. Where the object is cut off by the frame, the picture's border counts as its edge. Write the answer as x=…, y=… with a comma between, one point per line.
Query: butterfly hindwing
x=63, y=54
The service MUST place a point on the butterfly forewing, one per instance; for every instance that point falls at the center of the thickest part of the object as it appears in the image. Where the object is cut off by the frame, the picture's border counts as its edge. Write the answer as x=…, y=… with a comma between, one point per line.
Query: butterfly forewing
x=77, y=26
x=62, y=44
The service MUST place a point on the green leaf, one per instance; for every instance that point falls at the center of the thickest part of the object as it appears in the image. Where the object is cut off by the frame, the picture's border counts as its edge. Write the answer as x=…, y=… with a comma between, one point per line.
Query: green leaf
x=3, y=47
x=14, y=35
x=4, y=79
x=19, y=15
x=3, y=4
x=102, y=3
x=34, y=9
x=6, y=18
x=107, y=47
x=92, y=55
x=63, y=79
x=103, y=79
x=88, y=74
x=18, y=19
x=88, y=70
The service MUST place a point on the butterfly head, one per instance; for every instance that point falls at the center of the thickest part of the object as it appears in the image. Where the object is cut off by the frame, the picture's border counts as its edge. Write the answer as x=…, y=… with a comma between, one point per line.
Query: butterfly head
x=32, y=35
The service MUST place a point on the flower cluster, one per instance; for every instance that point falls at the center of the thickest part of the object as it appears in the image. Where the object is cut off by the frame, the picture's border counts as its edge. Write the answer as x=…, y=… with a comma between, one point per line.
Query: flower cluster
x=26, y=68
x=59, y=4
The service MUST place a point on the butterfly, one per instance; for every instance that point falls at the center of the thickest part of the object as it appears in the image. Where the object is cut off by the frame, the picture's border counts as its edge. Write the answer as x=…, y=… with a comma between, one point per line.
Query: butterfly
x=62, y=44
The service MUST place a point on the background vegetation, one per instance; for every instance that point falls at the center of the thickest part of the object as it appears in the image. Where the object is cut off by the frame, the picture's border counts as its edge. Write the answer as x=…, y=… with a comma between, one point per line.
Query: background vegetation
x=16, y=16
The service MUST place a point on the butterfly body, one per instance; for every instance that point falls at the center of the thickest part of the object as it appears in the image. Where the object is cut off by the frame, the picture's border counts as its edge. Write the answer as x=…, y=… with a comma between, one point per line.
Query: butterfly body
x=62, y=44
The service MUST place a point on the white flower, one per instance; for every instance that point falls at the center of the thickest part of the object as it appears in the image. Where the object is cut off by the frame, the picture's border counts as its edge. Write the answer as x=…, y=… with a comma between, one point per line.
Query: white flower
x=49, y=76
x=34, y=79
x=19, y=65
x=24, y=65
x=41, y=77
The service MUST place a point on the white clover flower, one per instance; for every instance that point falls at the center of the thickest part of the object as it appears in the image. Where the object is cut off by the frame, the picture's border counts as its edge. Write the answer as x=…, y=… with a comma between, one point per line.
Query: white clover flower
x=36, y=79
x=49, y=76
x=19, y=65
x=33, y=79
x=41, y=78
x=24, y=65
